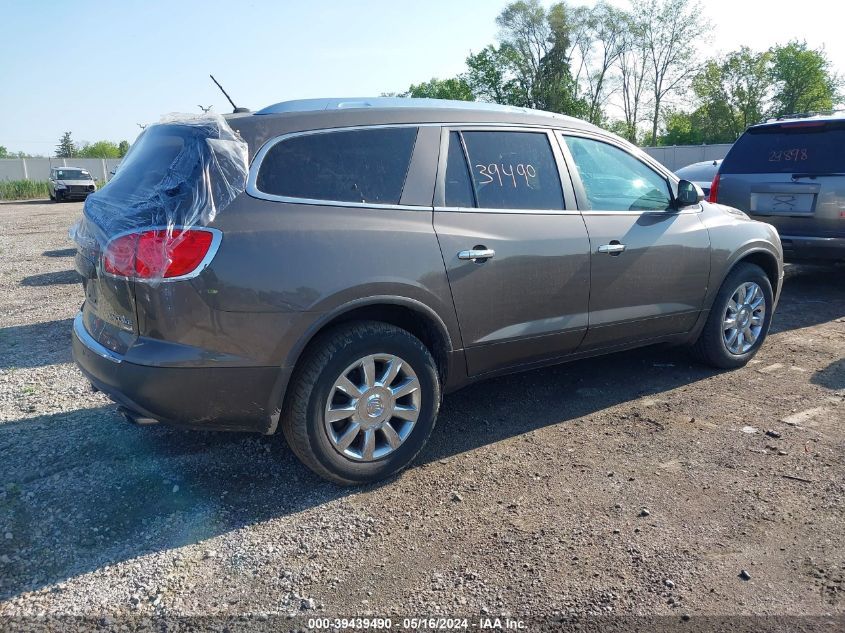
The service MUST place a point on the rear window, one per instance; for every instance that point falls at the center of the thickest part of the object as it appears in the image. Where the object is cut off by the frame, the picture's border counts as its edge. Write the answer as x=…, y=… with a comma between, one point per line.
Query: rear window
x=796, y=147
x=152, y=158
x=344, y=166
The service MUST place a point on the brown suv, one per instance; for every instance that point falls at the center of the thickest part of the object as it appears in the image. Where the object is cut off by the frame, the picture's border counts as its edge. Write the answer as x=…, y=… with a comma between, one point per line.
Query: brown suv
x=332, y=267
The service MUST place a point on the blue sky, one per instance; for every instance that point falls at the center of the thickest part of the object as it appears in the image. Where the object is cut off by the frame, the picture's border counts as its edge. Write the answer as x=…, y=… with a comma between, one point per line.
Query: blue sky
x=99, y=68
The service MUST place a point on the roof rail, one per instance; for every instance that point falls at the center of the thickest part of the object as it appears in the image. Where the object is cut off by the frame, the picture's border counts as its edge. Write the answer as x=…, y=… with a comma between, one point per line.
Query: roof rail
x=311, y=105
x=806, y=115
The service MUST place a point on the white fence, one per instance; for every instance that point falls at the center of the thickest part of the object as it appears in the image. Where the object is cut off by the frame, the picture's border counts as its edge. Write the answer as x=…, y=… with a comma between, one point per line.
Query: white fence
x=676, y=156
x=39, y=168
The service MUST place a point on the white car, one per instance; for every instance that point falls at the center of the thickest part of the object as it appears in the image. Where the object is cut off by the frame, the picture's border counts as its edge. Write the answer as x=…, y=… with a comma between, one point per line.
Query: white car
x=701, y=173
x=70, y=183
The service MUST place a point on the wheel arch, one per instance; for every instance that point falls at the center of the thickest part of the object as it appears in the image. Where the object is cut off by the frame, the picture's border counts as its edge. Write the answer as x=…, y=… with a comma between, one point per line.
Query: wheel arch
x=757, y=254
x=409, y=314
x=765, y=260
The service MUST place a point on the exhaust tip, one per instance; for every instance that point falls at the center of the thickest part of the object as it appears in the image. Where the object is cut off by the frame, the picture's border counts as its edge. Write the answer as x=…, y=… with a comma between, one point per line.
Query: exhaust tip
x=137, y=418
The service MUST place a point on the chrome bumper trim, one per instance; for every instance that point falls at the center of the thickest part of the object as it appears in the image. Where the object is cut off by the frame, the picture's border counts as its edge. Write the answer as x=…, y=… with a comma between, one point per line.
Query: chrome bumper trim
x=88, y=341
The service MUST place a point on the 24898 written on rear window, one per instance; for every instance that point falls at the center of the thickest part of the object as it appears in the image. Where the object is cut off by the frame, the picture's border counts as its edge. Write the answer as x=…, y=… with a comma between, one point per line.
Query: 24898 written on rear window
x=811, y=148
x=363, y=166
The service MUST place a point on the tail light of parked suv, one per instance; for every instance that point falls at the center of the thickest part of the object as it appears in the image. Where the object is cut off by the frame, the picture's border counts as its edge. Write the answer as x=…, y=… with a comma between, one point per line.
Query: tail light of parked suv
x=160, y=253
x=714, y=189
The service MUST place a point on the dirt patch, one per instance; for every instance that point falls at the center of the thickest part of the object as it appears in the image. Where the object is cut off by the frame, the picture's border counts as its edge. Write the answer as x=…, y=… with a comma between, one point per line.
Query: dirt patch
x=629, y=484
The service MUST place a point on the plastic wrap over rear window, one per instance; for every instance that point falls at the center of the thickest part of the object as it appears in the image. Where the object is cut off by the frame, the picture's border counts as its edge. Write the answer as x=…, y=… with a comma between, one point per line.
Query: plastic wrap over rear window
x=362, y=166
x=811, y=147
x=180, y=173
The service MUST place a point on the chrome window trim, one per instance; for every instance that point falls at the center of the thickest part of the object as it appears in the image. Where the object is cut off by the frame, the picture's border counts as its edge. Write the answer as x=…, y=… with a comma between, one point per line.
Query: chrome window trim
x=255, y=166
x=685, y=211
x=216, y=238
x=503, y=127
x=511, y=211
x=91, y=343
x=253, y=190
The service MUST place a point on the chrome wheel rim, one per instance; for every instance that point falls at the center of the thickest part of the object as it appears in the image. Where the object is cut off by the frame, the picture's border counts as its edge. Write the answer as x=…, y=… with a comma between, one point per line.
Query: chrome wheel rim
x=372, y=407
x=743, y=318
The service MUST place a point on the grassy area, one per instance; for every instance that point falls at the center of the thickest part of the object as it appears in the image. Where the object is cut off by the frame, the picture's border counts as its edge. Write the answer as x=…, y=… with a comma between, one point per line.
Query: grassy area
x=23, y=189
x=28, y=189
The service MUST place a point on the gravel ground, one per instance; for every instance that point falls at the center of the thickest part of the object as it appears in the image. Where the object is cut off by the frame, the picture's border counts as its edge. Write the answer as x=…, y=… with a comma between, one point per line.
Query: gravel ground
x=639, y=483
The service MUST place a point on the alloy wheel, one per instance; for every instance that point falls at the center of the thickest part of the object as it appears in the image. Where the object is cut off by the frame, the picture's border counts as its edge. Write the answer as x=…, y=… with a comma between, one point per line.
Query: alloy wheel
x=372, y=407
x=744, y=317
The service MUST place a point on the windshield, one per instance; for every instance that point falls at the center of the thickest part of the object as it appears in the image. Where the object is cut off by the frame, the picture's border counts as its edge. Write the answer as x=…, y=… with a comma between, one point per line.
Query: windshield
x=72, y=174
x=806, y=147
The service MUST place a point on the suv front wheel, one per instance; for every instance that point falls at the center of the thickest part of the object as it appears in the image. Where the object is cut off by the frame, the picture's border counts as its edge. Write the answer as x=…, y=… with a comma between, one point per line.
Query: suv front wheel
x=362, y=403
x=739, y=319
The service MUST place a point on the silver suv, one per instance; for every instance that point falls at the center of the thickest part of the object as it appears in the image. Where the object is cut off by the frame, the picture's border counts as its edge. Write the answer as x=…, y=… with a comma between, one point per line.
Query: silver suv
x=791, y=173
x=70, y=183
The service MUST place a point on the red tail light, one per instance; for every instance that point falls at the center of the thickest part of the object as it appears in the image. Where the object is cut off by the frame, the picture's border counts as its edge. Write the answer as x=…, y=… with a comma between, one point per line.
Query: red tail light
x=158, y=253
x=714, y=189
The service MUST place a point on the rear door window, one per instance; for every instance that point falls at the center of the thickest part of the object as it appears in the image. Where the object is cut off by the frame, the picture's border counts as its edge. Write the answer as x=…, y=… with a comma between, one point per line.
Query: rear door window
x=458, y=181
x=810, y=147
x=505, y=170
x=344, y=166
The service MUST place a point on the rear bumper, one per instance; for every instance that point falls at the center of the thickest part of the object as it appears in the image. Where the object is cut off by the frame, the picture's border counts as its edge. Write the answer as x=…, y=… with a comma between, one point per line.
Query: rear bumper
x=211, y=398
x=801, y=248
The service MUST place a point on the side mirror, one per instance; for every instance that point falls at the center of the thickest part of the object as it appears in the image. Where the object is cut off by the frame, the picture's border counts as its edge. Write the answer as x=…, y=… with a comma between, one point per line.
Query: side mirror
x=689, y=193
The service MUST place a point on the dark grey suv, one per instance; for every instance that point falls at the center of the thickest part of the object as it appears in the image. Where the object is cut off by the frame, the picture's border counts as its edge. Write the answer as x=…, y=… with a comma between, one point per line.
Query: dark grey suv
x=791, y=173
x=361, y=258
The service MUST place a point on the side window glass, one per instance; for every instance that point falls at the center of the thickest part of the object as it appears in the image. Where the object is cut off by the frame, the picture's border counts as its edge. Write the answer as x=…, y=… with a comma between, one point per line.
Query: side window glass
x=346, y=166
x=513, y=170
x=458, y=183
x=614, y=180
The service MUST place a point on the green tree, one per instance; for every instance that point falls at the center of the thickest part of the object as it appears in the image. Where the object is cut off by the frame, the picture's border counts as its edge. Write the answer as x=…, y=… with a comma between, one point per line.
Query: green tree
x=4, y=153
x=492, y=76
x=803, y=78
x=122, y=148
x=537, y=47
x=632, y=66
x=682, y=128
x=66, y=147
x=599, y=38
x=454, y=88
x=100, y=149
x=732, y=94
x=670, y=48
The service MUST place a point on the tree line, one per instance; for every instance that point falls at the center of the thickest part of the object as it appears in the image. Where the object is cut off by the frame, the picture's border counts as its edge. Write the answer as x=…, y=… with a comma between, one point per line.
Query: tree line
x=639, y=73
x=68, y=148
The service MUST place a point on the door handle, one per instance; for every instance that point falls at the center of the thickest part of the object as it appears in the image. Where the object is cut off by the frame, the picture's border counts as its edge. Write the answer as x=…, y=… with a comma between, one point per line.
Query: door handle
x=476, y=254
x=614, y=248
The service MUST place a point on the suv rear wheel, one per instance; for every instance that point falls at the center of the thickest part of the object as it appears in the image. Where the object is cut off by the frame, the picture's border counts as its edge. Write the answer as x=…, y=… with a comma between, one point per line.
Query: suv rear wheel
x=739, y=319
x=363, y=402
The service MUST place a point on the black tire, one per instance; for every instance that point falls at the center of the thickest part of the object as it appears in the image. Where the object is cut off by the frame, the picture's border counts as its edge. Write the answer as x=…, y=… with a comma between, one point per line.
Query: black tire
x=58, y=197
x=52, y=197
x=303, y=413
x=711, y=348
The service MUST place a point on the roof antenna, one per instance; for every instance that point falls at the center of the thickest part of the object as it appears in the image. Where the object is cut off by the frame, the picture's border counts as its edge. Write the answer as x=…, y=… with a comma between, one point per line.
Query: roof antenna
x=236, y=110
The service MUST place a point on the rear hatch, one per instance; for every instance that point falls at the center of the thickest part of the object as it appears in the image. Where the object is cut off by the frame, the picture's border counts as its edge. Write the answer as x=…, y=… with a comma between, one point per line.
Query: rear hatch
x=790, y=174
x=176, y=176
